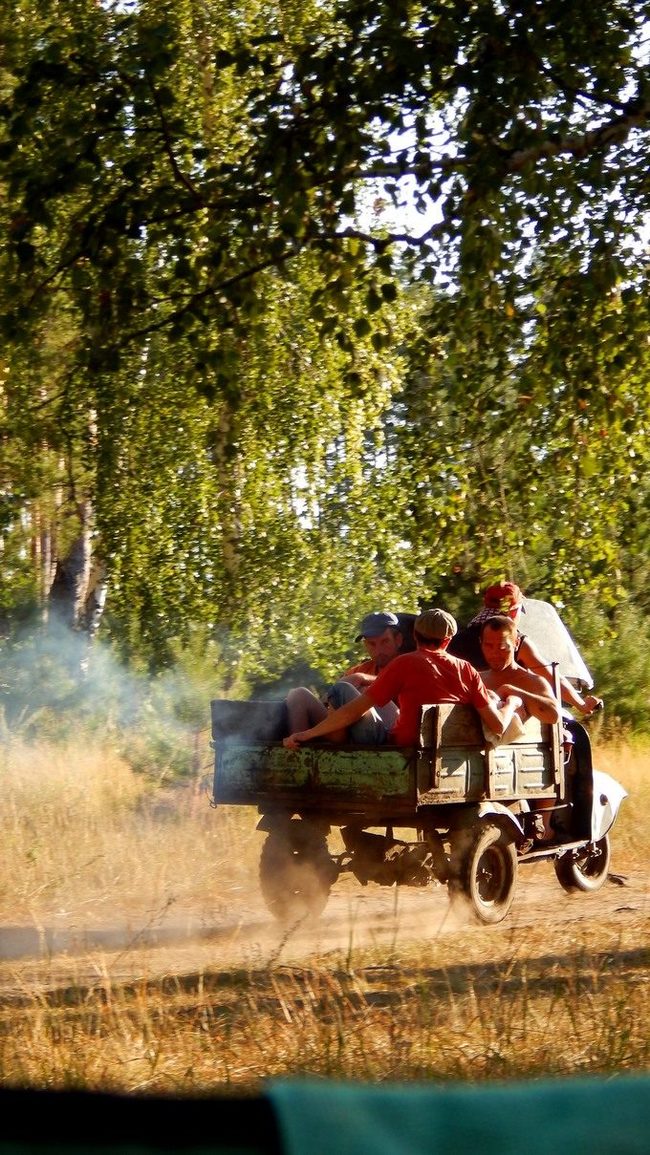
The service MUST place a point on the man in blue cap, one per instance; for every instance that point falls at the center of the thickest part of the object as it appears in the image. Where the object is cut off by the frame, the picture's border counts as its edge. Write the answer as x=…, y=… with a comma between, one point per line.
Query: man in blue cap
x=382, y=638
x=427, y=675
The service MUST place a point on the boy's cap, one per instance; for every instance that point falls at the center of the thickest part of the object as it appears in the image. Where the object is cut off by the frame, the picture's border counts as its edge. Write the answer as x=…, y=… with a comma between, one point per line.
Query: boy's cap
x=435, y=624
x=373, y=625
x=503, y=597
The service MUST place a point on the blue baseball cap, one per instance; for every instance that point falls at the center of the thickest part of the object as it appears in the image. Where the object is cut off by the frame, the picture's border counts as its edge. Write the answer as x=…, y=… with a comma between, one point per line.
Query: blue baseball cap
x=373, y=625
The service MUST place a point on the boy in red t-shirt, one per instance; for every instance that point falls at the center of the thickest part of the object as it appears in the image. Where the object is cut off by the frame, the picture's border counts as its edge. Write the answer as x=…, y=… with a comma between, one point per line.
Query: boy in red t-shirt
x=421, y=678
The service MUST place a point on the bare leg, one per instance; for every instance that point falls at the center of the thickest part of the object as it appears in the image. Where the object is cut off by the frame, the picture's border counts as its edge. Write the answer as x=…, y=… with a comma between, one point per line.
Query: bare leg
x=304, y=709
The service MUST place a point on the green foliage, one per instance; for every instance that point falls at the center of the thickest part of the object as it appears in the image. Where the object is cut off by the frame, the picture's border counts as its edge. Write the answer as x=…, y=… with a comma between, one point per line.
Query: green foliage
x=153, y=175
x=616, y=647
x=273, y=389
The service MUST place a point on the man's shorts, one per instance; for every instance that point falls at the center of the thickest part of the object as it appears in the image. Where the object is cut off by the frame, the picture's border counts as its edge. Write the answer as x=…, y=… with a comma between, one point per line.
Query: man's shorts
x=369, y=730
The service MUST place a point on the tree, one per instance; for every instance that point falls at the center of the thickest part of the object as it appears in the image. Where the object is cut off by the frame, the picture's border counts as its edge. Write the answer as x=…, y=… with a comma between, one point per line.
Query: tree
x=527, y=127
x=180, y=181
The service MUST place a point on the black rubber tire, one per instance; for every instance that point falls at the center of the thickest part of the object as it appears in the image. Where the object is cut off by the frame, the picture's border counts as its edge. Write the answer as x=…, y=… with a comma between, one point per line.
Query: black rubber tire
x=588, y=871
x=296, y=873
x=484, y=871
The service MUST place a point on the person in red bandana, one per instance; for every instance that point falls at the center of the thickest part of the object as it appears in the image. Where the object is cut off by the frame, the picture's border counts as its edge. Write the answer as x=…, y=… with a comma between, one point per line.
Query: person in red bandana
x=507, y=599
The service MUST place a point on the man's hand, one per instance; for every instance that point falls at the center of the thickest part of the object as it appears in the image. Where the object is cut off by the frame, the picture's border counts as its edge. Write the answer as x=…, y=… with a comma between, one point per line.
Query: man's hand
x=294, y=740
x=510, y=691
x=592, y=703
x=511, y=696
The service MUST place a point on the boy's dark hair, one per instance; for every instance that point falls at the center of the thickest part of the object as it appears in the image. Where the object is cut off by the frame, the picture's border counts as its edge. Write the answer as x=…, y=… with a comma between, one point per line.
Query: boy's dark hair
x=499, y=622
x=430, y=643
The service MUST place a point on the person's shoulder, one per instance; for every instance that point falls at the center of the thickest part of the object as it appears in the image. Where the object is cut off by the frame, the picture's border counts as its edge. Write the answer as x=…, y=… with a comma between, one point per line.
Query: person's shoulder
x=531, y=679
x=403, y=665
x=401, y=661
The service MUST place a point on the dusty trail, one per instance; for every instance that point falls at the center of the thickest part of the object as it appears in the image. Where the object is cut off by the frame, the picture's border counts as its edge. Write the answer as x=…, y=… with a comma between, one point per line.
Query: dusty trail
x=396, y=924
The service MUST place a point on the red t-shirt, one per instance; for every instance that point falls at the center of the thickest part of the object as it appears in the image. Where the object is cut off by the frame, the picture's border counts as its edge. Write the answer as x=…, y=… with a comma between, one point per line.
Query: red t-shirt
x=421, y=679
x=367, y=667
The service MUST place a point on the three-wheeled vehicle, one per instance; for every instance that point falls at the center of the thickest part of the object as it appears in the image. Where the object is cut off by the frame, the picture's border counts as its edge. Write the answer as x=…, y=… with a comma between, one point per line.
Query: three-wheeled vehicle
x=468, y=812
x=476, y=811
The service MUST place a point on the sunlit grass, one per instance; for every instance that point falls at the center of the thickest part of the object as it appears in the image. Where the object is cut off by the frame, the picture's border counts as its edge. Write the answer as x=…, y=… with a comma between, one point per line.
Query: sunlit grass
x=84, y=840
x=166, y=1037
x=81, y=833
x=629, y=763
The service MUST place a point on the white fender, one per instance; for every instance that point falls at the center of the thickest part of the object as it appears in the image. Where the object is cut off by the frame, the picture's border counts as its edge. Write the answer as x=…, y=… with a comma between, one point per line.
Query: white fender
x=608, y=795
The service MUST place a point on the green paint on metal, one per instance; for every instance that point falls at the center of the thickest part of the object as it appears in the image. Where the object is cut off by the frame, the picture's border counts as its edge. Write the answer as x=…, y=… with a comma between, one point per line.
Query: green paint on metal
x=248, y=771
x=261, y=768
x=371, y=773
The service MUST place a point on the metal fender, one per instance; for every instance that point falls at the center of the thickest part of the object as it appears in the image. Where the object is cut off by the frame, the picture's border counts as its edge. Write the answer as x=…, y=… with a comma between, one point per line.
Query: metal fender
x=497, y=808
x=608, y=795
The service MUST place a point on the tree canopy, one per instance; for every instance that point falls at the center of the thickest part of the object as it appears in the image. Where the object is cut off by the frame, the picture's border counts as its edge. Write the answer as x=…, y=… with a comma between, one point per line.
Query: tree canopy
x=312, y=308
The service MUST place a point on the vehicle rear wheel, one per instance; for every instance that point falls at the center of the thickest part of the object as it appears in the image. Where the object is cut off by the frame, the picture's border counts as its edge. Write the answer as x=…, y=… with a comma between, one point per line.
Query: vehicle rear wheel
x=586, y=870
x=484, y=871
x=296, y=873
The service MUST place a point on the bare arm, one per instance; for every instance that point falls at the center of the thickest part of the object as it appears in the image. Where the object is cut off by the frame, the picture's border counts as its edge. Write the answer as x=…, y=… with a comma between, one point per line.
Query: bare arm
x=571, y=697
x=336, y=720
x=497, y=717
x=530, y=657
x=540, y=704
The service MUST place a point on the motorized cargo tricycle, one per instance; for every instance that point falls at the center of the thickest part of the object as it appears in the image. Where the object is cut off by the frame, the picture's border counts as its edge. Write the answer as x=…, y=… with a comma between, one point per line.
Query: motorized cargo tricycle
x=468, y=813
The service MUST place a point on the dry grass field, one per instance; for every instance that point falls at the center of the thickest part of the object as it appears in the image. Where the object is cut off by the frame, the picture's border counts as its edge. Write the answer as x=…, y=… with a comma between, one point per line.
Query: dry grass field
x=136, y=954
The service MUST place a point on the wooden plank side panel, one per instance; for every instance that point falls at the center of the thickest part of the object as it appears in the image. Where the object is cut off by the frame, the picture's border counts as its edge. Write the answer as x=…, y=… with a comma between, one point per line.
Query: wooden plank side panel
x=244, y=773
x=455, y=763
x=460, y=726
x=526, y=767
x=460, y=777
x=450, y=724
x=535, y=770
x=521, y=772
x=454, y=736
x=502, y=772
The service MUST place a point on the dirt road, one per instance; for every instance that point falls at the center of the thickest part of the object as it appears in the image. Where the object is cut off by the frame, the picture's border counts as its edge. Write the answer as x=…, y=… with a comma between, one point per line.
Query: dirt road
x=237, y=932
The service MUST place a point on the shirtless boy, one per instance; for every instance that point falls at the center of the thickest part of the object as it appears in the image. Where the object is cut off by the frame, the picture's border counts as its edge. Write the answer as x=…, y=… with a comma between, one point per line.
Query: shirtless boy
x=498, y=642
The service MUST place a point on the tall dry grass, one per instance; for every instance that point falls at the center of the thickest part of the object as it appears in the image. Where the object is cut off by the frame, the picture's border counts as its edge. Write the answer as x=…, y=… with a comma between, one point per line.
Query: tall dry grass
x=84, y=842
x=629, y=763
x=81, y=834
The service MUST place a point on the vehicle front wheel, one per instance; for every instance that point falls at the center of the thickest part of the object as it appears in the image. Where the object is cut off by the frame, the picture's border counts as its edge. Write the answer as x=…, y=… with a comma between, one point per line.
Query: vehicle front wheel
x=484, y=871
x=296, y=873
x=586, y=869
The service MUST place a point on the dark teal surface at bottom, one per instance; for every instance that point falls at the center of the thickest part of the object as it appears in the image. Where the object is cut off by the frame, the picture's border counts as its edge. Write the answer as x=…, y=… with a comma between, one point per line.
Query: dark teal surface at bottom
x=582, y=1116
